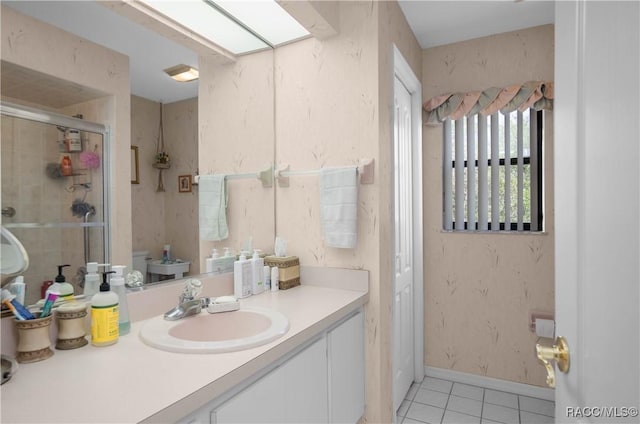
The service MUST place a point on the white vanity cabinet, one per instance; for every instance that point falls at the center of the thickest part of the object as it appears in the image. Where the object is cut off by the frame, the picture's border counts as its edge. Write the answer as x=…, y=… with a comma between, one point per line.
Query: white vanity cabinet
x=295, y=392
x=321, y=383
x=345, y=347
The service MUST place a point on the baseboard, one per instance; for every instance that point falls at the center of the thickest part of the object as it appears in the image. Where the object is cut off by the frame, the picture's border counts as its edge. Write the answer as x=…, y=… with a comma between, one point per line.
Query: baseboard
x=491, y=383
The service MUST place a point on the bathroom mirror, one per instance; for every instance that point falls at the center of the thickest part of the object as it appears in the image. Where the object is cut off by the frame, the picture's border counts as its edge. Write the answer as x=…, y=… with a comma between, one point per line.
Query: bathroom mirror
x=59, y=215
x=236, y=135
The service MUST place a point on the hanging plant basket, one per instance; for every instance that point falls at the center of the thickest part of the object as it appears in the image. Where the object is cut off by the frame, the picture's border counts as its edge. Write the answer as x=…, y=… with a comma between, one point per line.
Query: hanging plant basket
x=163, y=161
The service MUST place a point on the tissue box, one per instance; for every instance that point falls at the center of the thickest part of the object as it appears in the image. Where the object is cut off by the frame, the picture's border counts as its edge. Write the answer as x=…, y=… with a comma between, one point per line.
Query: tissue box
x=288, y=270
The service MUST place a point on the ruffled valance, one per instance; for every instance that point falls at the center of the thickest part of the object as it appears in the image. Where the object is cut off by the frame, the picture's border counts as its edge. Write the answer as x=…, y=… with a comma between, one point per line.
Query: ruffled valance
x=533, y=94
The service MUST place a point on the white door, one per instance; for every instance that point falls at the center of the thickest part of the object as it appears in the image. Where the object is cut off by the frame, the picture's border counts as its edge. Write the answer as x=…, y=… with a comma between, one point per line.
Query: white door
x=403, y=372
x=597, y=186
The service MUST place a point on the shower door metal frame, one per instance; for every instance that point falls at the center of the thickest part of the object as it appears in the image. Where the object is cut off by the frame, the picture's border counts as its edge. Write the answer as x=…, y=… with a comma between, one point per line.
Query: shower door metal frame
x=52, y=118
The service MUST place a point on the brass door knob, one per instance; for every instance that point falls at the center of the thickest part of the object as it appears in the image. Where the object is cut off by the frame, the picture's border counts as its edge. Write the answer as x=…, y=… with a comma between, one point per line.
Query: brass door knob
x=559, y=353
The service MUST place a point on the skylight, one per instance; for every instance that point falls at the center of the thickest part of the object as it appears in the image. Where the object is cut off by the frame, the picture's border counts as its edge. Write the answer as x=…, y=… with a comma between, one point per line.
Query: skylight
x=253, y=25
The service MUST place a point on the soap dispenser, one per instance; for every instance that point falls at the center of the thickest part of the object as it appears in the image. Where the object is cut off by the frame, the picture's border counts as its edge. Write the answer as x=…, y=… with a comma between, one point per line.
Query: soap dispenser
x=92, y=279
x=60, y=286
x=242, y=277
x=117, y=286
x=104, y=315
x=257, y=270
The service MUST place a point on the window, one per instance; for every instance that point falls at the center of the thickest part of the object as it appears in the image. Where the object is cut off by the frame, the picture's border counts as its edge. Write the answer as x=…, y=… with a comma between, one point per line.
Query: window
x=493, y=172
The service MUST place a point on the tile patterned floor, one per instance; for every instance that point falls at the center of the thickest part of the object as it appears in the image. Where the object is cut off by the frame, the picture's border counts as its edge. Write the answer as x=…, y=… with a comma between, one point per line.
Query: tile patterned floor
x=437, y=401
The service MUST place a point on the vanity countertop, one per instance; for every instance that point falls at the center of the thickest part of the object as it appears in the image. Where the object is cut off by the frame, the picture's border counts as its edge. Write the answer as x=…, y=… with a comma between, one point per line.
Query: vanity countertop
x=132, y=382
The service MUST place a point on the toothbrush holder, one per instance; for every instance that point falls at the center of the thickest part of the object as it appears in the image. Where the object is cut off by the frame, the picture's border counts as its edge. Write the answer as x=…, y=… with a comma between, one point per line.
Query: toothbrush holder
x=71, y=326
x=33, y=339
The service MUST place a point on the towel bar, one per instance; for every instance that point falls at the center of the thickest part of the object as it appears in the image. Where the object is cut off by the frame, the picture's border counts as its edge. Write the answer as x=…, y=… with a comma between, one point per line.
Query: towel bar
x=365, y=172
x=265, y=176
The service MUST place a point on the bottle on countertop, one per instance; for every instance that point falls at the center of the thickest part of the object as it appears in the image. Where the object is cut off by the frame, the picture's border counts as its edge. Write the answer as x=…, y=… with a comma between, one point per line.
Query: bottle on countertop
x=257, y=269
x=60, y=286
x=266, y=277
x=92, y=279
x=118, y=287
x=104, y=315
x=275, y=279
x=242, y=278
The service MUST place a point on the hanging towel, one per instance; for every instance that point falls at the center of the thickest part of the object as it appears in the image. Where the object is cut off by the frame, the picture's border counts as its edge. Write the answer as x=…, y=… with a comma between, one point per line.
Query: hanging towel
x=213, y=207
x=339, y=207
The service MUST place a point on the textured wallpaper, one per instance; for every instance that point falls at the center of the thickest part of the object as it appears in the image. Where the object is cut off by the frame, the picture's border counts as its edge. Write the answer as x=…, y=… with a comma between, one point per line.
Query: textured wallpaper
x=481, y=288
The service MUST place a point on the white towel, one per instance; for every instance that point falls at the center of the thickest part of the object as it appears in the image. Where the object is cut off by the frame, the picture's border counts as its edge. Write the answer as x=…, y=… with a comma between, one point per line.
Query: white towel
x=339, y=207
x=212, y=195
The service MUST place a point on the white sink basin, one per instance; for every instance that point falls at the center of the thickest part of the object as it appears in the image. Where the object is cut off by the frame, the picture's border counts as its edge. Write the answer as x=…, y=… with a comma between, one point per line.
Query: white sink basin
x=215, y=333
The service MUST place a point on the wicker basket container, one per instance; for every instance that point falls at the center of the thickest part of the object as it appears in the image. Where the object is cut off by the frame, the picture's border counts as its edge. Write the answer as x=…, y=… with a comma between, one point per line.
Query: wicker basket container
x=288, y=270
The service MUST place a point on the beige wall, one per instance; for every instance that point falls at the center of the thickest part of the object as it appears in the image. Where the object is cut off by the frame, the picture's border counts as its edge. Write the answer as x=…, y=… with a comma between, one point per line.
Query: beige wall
x=481, y=288
x=49, y=50
x=333, y=107
x=168, y=217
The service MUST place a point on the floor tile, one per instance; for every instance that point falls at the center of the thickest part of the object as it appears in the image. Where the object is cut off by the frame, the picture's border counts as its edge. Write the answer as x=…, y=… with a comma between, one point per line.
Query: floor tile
x=464, y=405
x=452, y=417
x=531, y=418
x=501, y=414
x=425, y=413
x=437, y=384
x=399, y=419
x=467, y=391
x=410, y=421
x=501, y=398
x=431, y=397
x=487, y=421
x=537, y=406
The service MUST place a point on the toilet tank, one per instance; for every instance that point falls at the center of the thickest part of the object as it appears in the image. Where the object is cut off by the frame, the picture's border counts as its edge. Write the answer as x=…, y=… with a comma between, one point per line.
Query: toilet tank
x=140, y=261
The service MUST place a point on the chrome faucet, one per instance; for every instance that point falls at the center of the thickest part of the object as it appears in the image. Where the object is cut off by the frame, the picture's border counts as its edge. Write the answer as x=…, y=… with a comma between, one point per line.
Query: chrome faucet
x=185, y=309
x=188, y=304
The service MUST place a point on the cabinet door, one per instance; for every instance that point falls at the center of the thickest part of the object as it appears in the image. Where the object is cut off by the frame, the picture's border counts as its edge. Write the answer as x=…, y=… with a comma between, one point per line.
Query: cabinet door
x=259, y=403
x=295, y=392
x=305, y=393
x=346, y=371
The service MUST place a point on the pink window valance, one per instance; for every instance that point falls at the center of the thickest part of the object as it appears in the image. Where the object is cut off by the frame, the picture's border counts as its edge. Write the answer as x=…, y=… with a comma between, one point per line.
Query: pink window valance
x=533, y=94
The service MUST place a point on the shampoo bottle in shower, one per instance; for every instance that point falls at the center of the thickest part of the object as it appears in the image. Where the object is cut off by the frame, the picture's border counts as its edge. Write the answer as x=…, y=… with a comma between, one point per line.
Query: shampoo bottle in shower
x=65, y=166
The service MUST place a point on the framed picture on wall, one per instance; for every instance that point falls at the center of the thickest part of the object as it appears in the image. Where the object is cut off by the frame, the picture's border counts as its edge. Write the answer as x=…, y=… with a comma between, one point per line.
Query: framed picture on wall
x=184, y=183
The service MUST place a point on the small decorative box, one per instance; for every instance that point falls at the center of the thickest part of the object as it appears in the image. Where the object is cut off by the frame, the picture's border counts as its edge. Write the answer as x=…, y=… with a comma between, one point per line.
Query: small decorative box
x=288, y=270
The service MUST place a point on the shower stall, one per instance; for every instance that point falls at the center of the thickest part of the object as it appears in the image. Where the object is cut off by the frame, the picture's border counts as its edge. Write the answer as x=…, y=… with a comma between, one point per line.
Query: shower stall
x=59, y=214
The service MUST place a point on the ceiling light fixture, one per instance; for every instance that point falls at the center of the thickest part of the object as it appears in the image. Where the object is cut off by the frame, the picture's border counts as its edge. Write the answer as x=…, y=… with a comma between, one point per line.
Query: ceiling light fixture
x=182, y=73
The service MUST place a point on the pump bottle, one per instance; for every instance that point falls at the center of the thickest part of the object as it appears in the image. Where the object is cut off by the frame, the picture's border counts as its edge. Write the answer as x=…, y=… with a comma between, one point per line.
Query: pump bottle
x=60, y=286
x=118, y=287
x=104, y=315
x=257, y=270
x=92, y=279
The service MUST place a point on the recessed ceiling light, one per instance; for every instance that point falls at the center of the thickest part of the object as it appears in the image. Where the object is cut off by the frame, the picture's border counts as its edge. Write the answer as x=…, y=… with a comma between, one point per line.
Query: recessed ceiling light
x=182, y=73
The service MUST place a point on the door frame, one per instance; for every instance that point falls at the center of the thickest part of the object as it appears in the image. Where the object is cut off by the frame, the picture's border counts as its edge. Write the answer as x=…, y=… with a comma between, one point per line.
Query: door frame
x=405, y=74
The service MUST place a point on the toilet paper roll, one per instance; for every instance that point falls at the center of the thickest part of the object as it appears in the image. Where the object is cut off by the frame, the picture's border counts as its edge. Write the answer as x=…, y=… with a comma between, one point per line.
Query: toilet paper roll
x=545, y=327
